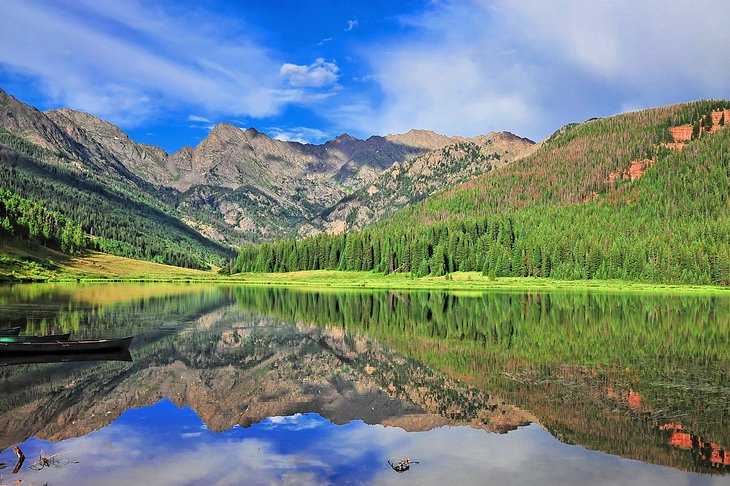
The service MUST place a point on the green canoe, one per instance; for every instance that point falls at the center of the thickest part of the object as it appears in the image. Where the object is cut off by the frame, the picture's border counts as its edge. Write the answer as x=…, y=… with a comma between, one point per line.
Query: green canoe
x=35, y=339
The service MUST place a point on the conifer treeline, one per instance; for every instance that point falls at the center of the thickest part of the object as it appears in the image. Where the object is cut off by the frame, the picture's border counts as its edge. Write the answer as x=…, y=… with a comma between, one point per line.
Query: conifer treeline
x=27, y=220
x=532, y=326
x=120, y=222
x=671, y=225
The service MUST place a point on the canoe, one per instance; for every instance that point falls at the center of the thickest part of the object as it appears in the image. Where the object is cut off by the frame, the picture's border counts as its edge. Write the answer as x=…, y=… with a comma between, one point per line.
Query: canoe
x=35, y=339
x=10, y=331
x=34, y=358
x=65, y=347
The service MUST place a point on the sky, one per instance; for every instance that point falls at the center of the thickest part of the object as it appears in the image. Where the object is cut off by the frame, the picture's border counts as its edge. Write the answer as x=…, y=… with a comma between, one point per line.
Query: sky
x=164, y=444
x=166, y=72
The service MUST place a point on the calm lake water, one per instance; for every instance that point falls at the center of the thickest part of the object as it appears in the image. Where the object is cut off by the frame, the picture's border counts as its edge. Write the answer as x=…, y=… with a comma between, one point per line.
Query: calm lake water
x=243, y=385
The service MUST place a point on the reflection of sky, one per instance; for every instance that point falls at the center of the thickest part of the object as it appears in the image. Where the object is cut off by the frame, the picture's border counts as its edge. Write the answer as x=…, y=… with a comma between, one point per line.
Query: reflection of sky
x=166, y=445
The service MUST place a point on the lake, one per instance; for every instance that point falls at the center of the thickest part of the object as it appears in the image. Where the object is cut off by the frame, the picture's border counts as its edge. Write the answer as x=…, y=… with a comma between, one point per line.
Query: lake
x=255, y=385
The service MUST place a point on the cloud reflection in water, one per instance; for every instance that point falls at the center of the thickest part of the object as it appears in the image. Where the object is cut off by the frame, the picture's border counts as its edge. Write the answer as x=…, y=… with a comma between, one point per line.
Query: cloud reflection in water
x=167, y=445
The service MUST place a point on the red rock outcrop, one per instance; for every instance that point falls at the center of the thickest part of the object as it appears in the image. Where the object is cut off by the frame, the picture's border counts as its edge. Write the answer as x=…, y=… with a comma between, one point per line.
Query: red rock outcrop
x=685, y=440
x=635, y=170
x=638, y=167
x=682, y=133
x=717, y=116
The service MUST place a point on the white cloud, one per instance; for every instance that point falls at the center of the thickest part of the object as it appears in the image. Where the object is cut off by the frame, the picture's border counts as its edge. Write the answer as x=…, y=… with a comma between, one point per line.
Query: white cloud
x=296, y=422
x=530, y=66
x=638, y=43
x=351, y=24
x=319, y=74
x=128, y=61
x=325, y=41
x=355, y=453
x=196, y=118
x=298, y=134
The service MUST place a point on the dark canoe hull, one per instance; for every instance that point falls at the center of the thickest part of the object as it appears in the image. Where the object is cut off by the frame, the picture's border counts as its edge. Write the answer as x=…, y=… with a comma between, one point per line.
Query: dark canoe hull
x=30, y=358
x=10, y=331
x=65, y=347
x=35, y=339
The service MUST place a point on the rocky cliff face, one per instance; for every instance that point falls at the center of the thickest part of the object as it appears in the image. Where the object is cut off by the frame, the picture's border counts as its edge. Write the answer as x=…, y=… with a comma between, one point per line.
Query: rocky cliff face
x=416, y=178
x=106, y=142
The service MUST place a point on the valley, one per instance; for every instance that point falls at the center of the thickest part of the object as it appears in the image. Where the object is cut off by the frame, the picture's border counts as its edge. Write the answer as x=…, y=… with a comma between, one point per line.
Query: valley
x=421, y=204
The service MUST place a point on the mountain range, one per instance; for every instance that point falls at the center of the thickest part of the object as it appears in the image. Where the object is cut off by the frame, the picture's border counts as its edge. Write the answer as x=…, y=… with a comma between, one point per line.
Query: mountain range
x=594, y=200
x=637, y=196
x=241, y=186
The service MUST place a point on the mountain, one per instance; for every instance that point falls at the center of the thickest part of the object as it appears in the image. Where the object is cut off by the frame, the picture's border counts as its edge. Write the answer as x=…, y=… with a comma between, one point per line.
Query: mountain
x=264, y=187
x=104, y=141
x=638, y=196
x=236, y=186
x=65, y=171
x=243, y=185
x=261, y=367
x=409, y=181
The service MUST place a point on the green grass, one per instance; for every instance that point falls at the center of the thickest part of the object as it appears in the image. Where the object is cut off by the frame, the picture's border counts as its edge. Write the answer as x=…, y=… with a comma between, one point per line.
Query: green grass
x=20, y=262
x=467, y=281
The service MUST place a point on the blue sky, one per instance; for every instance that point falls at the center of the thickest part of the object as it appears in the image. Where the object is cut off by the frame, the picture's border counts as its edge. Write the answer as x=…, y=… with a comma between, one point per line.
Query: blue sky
x=165, y=72
x=164, y=444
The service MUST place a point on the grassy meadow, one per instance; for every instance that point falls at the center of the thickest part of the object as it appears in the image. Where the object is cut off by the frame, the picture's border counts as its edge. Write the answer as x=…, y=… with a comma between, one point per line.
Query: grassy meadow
x=41, y=264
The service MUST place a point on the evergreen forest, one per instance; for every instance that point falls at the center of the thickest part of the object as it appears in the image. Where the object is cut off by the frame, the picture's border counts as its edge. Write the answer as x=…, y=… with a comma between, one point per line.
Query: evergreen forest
x=557, y=213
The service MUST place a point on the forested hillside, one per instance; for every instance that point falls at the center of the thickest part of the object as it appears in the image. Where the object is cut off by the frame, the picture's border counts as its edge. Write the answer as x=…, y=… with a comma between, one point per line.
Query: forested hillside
x=415, y=179
x=119, y=219
x=193, y=207
x=603, y=199
x=26, y=220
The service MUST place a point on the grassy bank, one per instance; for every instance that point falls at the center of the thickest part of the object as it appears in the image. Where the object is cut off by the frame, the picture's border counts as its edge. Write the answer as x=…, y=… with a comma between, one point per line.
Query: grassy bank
x=23, y=262
x=465, y=281
x=20, y=263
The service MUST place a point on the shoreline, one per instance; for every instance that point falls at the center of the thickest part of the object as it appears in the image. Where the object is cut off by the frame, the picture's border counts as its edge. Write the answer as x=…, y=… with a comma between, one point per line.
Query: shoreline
x=344, y=280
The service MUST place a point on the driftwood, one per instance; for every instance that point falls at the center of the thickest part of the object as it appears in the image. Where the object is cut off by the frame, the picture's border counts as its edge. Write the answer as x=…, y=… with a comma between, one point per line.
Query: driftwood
x=50, y=461
x=21, y=459
x=401, y=465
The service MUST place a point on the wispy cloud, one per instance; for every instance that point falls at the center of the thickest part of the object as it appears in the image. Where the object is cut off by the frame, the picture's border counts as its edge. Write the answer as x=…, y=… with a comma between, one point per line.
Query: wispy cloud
x=325, y=41
x=531, y=66
x=127, y=61
x=351, y=24
x=298, y=134
x=196, y=118
x=317, y=75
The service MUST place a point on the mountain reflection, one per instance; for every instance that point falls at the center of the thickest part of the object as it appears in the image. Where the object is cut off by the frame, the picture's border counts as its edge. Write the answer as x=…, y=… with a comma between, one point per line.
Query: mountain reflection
x=164, y=444
x=623, y=374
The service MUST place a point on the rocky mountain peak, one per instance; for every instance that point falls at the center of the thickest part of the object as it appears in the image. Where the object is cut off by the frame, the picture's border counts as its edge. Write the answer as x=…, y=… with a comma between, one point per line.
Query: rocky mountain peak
x=423, y=139
x=106, y=145
x=26, y=121
x=81, y=125
x=345, y=137
x=225, y=130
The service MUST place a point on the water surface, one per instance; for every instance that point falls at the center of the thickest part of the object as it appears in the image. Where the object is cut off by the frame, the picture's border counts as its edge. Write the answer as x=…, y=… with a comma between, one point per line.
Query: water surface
x=233, y=385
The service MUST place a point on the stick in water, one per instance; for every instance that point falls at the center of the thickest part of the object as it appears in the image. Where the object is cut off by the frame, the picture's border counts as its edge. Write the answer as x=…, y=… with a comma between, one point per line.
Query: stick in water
x=21, y=459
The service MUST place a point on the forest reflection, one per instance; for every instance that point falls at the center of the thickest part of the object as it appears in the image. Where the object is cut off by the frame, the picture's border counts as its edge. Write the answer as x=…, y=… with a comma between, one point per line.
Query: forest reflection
x=623, y=373
x=640, y=376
